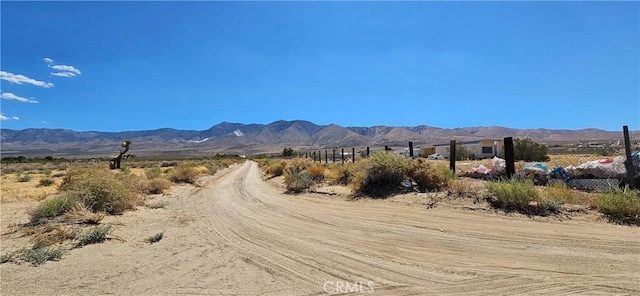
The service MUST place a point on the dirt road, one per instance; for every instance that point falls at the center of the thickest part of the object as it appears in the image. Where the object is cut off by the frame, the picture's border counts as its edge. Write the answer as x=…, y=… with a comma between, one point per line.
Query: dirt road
x=239, y=235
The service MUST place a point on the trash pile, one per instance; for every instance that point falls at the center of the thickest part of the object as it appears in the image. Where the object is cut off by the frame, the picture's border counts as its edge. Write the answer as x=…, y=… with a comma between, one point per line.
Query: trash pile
x=612, y=168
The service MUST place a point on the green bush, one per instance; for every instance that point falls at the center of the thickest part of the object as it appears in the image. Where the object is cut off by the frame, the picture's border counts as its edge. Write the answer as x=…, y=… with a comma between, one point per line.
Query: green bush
x=463, y=153
x=622, y=205
x=155, y=238
x=39, y=254
x=521, y=196
x=93, y=235
x=23, y=178
x=428, y=177
x=382, y=174
x=296, y=175
x=53, y=207
x=528, y=150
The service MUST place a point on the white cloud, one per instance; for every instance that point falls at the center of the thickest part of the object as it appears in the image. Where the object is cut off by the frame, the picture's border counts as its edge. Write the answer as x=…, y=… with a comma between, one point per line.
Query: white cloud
x=11, y=96
x=44, y=122
x=20, y=79
x=66, y=68
x=5, y=117
x=63, y=74
x=48, y=60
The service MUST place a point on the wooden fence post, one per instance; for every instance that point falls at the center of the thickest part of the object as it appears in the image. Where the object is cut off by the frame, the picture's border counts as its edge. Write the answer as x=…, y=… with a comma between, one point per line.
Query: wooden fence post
x=367, y=151
x=342, y=155
x=334, y=155
x=411, y=149
x=326, y=157
x=452, y=155
x=353, y=154
x=631, y=170
x=509, y=157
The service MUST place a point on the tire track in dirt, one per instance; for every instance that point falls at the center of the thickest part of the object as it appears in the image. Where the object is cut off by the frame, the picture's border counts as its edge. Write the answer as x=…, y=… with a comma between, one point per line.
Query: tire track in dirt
x=303, y=243
x=235, y=234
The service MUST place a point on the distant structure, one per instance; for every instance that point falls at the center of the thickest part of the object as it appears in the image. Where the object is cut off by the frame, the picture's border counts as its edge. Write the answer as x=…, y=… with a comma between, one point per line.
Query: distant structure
x=115, y=161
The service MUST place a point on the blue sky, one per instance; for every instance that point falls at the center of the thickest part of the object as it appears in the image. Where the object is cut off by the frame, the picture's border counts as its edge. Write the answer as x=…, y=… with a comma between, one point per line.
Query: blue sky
x=115, y=66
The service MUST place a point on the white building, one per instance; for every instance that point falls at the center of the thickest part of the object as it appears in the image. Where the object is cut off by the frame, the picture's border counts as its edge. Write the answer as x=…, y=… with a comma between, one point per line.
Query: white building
x=481, y=149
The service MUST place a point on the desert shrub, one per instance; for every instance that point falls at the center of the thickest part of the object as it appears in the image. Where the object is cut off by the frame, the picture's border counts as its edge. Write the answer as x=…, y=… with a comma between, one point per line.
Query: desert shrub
x=276, y=168
x=165, y=164
x=46, y=172
x=622, y=205
x=153, y=172
x=158, y=185
x=557, y=191
x=428, y=177
x=59, y=175
x=48, y=234
x=381, y=174
x=339, y=174
x=44, y=182
x=100, y=190
x=4, y=258
x=155, y=238
x=156, y=205
x=93, y=235
x=39, y=254
x=512, y=195
x=23, y=178
x=521, y=196
x=184, y=173
x=53, y=207
x=317, y=172
x=460, y=187
x=528, y=150
x=80, y=213
x=463, y=153
x=296, y=176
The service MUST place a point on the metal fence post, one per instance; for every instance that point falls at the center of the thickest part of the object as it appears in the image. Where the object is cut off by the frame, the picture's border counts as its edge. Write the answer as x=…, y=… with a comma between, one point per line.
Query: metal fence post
x=631, y=170
x=452, y=155
x=509, y=157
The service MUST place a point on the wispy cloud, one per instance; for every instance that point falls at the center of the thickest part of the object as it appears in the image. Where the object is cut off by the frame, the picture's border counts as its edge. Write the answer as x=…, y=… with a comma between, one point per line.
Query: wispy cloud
x=20, y=79
x=44, y=122
x=11, y=96
x=65, y=71
x=48, y=60
x=5, y=117
x=63, y=74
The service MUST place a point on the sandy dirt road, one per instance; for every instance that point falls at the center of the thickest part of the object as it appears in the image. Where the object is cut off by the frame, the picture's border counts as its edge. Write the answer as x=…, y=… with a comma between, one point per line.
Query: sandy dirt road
x=239, y=235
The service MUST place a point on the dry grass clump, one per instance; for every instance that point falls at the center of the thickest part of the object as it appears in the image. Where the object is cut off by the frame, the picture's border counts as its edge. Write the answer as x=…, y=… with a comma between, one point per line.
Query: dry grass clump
x=185, y=173
x=621, y=205
x=275, y=168
x=158, y=185
x=461, y=187
x=96, y=188
x=427, y=177
x=296, y=175
x=317, y=172
x=44, y=182
x=153, y=172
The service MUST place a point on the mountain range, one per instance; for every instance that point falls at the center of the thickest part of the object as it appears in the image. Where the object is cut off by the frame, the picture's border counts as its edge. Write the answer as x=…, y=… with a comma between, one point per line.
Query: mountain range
x=241, y=138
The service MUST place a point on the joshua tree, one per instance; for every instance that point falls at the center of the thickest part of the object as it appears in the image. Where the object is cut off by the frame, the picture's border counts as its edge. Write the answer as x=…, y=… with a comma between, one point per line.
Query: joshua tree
x=115, y=161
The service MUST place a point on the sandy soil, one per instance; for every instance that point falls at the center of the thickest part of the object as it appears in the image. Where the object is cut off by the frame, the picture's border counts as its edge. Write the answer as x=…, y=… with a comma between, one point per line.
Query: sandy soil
x=237, y=234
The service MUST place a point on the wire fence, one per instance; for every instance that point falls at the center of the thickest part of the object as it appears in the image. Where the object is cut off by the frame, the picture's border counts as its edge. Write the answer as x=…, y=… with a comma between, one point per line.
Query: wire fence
x=585, y=164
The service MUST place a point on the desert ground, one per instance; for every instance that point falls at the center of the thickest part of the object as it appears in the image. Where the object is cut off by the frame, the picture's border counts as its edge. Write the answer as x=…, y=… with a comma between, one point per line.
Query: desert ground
x=236, y=233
